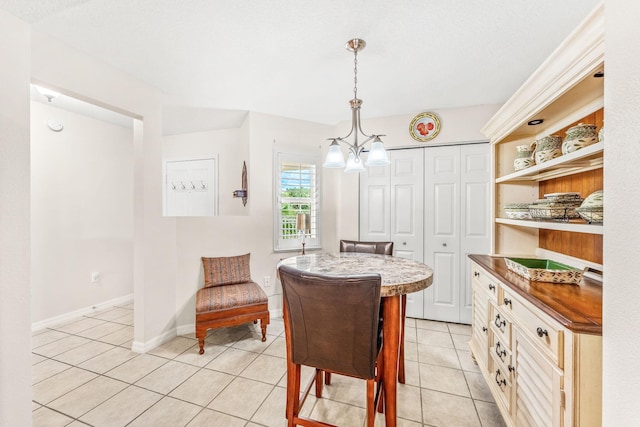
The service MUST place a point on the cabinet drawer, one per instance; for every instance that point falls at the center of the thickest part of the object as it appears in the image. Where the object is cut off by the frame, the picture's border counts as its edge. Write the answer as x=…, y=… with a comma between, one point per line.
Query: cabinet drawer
x=485, y=283
x=501, y=326
x=500, y=383
x=543, y=332
x=500, y=352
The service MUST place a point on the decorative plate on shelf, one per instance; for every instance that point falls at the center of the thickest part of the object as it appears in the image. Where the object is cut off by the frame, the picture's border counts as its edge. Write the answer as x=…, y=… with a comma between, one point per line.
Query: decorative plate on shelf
x=424, y=127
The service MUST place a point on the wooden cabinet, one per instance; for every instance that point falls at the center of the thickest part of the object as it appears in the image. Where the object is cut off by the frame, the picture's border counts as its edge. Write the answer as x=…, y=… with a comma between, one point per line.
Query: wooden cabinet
x=538, y=348
x=542, y=354
x=564, y=91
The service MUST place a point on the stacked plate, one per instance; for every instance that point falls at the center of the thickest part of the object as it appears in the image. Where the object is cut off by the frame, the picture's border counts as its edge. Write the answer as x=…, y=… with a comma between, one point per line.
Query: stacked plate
x=517, y=210
x=592, y=209
x=558, y=206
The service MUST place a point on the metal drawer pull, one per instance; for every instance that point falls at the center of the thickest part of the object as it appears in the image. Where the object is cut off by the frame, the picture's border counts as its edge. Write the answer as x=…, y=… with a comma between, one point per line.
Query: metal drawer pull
x=498, y=323
x=484, y=329
x=476, y=274
x=507, y=301
x=500, y=353
x=491, y=287
x=511, y=368
x=542, y=332
x=500, y=382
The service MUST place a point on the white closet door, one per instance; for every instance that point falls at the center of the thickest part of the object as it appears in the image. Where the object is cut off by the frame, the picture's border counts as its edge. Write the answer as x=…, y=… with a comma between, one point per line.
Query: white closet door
x=442, y=232
x=407, y=216
x=475, y=216
x=391, y=209
x=375, y=205
x=456, y=224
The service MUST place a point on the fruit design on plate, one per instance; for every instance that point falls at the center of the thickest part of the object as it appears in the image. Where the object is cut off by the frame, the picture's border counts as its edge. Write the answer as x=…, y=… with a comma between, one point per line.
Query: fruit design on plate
x=424, y=129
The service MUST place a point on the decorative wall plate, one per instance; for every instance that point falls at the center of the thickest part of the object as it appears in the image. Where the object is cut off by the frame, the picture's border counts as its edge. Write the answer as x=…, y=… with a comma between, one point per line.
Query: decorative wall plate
x=424, y=127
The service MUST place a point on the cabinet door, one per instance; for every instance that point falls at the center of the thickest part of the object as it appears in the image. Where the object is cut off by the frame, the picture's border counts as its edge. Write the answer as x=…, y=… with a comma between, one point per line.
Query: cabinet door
x=190, y=187
x=480, y=327
x=538, y=394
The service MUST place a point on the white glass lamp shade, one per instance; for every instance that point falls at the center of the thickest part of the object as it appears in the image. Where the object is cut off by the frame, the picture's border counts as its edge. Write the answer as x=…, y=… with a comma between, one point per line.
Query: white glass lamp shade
x=354, y=164
x=377, y=155
x=334, y=158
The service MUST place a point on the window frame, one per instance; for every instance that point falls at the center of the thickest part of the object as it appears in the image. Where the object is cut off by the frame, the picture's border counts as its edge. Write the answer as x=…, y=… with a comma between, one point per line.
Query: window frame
x=295, y=244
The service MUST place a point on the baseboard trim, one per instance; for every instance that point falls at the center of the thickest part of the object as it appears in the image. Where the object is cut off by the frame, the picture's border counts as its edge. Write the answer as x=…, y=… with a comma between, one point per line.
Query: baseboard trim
x=186, y=329
x=56, y=320
x=143, y=347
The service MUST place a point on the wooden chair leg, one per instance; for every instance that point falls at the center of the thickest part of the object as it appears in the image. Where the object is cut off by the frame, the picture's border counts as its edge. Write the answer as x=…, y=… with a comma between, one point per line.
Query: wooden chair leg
x=371, y=410
x=379, y=370
x=401, y=377
x=263, y=327
x=293, y=393
x=327, y=378
x=319, y=383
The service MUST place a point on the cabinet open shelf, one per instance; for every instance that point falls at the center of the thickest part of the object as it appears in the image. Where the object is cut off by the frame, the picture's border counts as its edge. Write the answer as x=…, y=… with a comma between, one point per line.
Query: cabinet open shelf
x=576, y=227
x=586, y=159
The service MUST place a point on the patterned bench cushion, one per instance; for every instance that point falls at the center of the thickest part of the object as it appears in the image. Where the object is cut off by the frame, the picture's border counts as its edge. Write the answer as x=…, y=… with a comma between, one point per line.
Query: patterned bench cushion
x=226, y=270
x=216, y=298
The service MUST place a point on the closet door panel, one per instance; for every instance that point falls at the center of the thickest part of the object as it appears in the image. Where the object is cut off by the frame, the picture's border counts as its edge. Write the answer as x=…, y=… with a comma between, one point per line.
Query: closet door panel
x=375, y=205
x=475, y=216
x=442, y=232
x=407, y=219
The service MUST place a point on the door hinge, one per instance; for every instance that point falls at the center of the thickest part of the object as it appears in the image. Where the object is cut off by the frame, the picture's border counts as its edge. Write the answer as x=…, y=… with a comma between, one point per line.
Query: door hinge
x=563, y=400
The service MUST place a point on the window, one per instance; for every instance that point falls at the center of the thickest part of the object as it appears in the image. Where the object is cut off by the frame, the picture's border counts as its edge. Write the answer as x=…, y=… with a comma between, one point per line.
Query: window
x=297, y=190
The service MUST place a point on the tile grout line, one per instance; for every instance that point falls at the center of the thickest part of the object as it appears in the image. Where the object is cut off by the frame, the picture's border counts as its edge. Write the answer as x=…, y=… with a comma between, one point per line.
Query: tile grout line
x=232, y=343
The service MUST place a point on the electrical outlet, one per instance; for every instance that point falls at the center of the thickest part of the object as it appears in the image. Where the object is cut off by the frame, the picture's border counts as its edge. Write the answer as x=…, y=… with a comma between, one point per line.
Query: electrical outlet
x=95, y=277
x=267, y=281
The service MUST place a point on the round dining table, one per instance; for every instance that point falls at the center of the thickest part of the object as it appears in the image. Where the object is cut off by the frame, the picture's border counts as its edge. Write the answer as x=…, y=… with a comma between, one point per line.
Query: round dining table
x=399, y=276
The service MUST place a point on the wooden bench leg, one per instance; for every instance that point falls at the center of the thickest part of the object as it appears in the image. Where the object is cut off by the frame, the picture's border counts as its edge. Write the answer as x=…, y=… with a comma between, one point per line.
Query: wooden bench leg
x=263, y=326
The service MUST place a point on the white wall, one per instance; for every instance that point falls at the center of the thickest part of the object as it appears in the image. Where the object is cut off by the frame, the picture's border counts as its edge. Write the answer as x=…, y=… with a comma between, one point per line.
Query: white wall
x=621, y=374
x=154, y=247
x=235, y=235
x=15, y=322
x=81, y=212
x=231, y=150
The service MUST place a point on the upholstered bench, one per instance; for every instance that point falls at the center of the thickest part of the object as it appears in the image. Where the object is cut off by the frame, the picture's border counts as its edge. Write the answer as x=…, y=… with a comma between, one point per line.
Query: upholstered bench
x=229, y=297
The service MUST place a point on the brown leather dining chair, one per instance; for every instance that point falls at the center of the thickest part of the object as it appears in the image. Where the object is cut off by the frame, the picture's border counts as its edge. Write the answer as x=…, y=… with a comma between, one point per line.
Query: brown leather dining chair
x=380, y=248
x=333, y=325
x=229, y=297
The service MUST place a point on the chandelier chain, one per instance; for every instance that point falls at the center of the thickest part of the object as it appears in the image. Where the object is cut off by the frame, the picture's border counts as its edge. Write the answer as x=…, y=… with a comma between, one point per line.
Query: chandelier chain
x=355, y=74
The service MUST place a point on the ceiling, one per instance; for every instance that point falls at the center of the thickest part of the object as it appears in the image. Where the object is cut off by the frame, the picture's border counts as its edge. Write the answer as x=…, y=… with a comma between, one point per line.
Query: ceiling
x=215, y=60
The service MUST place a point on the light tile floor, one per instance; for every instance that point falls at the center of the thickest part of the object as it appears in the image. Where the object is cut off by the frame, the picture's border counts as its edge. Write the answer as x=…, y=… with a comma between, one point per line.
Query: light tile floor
x=84, y=373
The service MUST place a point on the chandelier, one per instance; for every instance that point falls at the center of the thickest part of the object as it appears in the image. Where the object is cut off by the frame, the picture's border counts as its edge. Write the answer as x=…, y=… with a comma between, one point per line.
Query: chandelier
x=377, y=154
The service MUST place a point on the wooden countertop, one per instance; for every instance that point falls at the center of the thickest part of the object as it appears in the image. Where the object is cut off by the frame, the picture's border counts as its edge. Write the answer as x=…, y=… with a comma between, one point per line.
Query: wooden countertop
x=576, y=307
